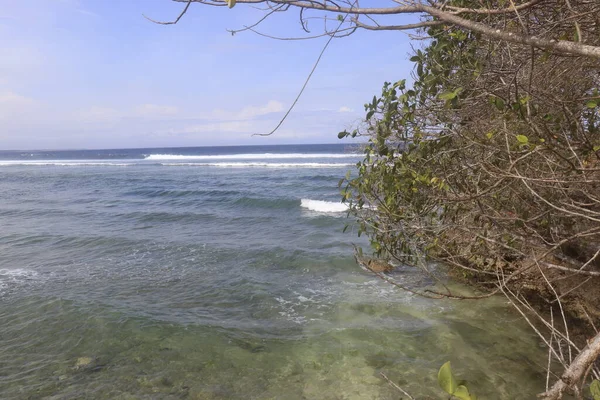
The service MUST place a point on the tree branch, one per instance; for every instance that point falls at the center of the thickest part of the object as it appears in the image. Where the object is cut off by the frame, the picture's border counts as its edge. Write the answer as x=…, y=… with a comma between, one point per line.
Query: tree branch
x=561, y=46
x=396, y=27
x=176, y=19
x=437, y=10
x=574, y=374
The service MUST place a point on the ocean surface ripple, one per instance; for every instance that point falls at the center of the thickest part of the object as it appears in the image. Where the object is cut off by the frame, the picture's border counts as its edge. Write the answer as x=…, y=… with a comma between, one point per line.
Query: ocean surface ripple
x=220, y=273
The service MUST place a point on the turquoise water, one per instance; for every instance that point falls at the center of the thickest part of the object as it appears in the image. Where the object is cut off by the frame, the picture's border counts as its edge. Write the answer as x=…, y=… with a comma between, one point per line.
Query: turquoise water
x=220, y=273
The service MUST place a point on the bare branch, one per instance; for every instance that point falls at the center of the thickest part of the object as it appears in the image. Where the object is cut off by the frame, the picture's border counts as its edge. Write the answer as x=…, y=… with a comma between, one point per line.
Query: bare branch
x=574, y=270
x=453, y=17
x=312, y=71
x=574, y=374
x=176, y=20
x=397, y=27
x=396, y=386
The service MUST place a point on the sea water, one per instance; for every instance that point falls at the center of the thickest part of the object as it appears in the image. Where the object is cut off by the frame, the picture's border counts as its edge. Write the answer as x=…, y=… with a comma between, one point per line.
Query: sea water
x=221, y=273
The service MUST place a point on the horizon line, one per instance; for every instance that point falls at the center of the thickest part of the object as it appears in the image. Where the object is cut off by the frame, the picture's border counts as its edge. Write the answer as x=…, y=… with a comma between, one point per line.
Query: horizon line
x=181, y=147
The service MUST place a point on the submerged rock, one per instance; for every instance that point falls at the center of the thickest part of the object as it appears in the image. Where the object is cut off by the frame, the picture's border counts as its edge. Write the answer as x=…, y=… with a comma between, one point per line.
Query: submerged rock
x=377, y=265
x=251, y=347
x=88, y=365
x=83, y=362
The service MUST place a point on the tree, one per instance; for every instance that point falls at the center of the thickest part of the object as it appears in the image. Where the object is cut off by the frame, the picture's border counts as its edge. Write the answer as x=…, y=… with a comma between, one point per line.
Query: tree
x=480, y=17
x=490, y=161
x=489, y=164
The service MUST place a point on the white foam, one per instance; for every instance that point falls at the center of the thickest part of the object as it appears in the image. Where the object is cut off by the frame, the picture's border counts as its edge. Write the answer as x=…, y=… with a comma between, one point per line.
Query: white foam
x=323, y=206
x=18, y=272
x=259, y=164
x=263, y=156
x=15, y=276
x=60, y=163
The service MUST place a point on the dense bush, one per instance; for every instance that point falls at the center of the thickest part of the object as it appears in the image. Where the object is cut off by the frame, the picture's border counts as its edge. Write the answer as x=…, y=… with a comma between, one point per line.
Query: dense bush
x=490, y=163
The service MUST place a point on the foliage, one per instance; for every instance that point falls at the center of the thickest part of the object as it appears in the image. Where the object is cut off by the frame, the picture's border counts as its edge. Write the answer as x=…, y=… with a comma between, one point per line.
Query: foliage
x=490, y=163
x=450, y=385
x=490, y=157
x=595, y=389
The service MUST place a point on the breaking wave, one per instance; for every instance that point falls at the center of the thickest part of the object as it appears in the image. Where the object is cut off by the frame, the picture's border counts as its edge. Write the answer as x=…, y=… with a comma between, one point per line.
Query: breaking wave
x=259, y=164
x=323, y=206
x=256, y=164
x=251, y=156
x=59, y=163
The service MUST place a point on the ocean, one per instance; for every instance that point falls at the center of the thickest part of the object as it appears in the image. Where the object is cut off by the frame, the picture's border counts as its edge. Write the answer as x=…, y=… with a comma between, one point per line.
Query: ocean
x=221, y=273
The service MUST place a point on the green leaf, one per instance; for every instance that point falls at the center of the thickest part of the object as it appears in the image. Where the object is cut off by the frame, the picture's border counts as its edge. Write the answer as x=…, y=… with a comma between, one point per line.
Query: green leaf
x=462, y=393
x=498, y=102
x=340, y=17
x=592, y=104
x=342, y=134
x=595, y=389
x=446, y=379
x=447, y=96
x=522, y=139
x=231, y=3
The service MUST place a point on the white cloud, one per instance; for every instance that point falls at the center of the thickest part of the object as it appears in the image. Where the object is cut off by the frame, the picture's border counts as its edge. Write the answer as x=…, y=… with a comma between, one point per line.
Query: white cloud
x=251, y=112
x=98, y=114
x=102, y=114
x=345, y=109
x=13, y=104
x=86, y=12
x=248, y=112
x=12, y=99
x=227, y=126
x=155, y=110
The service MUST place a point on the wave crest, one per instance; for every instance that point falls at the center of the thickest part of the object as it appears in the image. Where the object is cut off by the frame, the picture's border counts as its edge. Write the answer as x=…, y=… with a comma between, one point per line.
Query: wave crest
x=59, y=163
x=259, y=164
x=323, y=206
x=250, y=156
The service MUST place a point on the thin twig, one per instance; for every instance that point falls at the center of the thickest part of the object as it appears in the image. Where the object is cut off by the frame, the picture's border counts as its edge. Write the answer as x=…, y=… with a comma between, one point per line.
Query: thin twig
x=396, y=386
x=176, y=20
x=331, y=37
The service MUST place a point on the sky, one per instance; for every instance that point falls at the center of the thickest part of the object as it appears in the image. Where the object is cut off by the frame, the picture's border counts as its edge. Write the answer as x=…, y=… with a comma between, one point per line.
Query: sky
x=96, y=74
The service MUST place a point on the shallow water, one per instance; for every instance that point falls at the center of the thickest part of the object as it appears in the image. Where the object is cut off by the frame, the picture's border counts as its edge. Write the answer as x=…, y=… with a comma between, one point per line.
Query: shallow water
x=125, y=278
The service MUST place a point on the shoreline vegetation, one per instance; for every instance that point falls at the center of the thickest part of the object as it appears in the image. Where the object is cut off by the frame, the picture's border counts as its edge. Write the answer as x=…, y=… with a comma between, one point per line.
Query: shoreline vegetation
x=489, y=161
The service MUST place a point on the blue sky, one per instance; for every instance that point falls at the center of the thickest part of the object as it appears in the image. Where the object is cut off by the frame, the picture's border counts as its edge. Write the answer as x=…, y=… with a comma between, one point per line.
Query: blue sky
x=97, y=74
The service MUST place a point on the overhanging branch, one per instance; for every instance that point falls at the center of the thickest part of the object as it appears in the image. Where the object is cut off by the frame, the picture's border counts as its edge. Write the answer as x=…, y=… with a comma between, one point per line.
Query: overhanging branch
x=438, y=10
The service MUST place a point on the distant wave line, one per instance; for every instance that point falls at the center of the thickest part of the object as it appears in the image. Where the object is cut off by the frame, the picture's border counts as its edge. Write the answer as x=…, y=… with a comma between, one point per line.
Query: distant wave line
x=260, y=164
x=60, y=163
x=78, y=163
x=262, y=156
